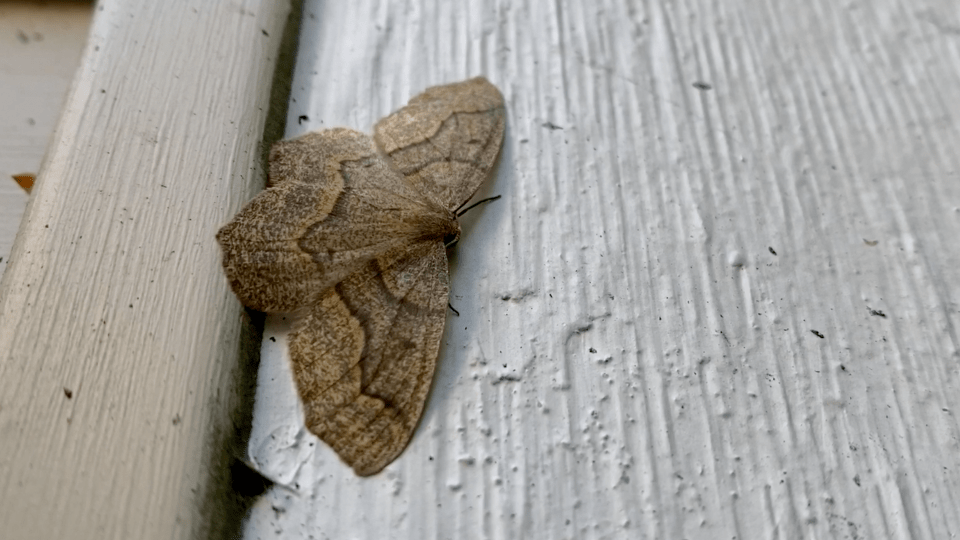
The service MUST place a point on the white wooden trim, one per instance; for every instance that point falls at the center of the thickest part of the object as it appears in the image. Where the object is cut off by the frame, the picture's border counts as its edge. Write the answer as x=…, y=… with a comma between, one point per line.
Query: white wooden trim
x=118, y=334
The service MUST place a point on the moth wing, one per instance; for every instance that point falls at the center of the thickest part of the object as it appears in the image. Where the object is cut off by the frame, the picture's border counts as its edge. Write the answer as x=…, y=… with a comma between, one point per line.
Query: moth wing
x=316, y=157
x=333, y=205
x=446, y=140
x=364, y=356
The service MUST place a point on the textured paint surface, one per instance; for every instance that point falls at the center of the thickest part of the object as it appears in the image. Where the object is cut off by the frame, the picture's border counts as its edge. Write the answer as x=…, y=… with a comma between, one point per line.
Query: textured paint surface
x=632, y=360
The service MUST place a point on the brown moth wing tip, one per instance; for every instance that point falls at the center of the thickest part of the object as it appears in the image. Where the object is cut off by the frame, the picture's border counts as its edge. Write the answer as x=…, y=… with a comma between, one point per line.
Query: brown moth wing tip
x=378, y=464
x=362, y=464
x=370, y=470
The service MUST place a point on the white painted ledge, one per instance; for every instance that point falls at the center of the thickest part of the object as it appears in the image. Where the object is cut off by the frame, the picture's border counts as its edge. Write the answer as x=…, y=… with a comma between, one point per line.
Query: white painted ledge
x=632, y=360
x=119, y=337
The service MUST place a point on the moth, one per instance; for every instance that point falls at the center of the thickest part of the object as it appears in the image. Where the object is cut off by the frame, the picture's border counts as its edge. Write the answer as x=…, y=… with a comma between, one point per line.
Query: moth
x=350, y=235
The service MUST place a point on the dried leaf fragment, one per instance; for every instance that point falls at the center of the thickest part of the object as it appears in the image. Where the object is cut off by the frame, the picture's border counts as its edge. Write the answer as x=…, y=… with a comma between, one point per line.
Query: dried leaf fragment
x=351, y=233
x=25, y=180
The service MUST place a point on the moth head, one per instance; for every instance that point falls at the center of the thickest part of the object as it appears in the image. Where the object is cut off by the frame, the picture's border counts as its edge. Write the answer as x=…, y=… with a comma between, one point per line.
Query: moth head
x=439, y=224
x=452, y=236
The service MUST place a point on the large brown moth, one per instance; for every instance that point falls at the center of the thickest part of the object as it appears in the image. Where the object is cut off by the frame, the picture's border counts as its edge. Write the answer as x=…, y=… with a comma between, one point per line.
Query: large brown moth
x=350, y=234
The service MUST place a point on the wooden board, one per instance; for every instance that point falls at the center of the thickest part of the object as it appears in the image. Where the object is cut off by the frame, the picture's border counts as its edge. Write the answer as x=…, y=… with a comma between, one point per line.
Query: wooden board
x=119, y=337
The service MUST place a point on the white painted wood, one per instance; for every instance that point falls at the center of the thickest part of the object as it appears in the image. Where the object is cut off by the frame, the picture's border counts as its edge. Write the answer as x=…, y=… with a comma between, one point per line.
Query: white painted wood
x=118, y=334
x=632, y=359
x=40, y=47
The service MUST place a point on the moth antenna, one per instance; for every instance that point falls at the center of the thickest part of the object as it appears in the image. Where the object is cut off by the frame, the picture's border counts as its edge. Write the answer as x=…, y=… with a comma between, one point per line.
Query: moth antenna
x=481, y=201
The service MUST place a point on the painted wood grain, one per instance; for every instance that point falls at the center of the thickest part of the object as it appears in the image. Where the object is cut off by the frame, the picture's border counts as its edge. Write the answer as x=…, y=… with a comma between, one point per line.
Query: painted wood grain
x=119, y=337
x=693, y=193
